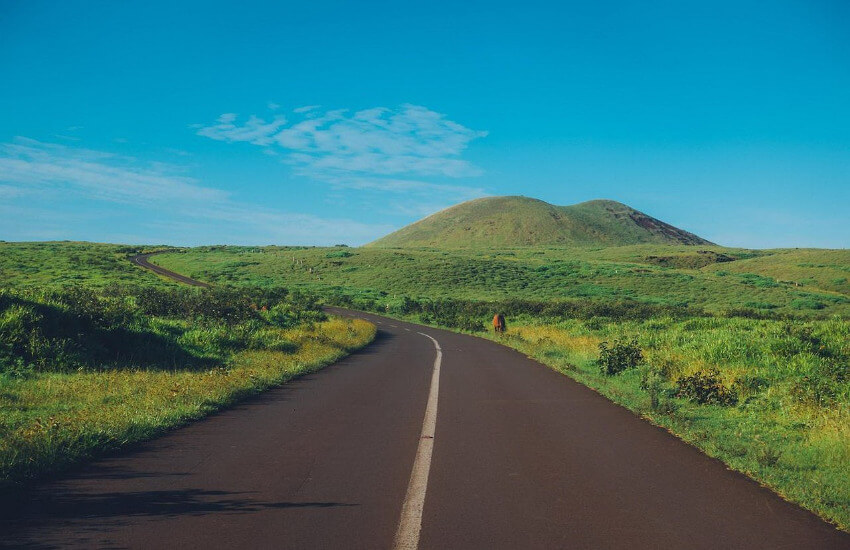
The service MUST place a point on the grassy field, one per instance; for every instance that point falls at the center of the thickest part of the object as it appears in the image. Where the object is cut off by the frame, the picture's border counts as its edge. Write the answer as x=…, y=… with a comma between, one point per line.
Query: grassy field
x=54, y=264
x=84, y=371
x=712, y=278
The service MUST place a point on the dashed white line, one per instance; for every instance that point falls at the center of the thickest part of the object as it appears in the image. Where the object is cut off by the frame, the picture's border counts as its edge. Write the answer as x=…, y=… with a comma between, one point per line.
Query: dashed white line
x=410, y=523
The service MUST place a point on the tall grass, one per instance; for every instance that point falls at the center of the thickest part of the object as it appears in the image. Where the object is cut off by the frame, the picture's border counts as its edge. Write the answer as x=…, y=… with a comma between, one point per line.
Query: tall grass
x=714, y=279
x=83, y=371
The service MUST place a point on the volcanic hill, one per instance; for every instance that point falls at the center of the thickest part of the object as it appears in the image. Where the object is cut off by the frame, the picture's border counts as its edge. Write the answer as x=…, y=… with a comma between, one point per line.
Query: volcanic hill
x=523, y=221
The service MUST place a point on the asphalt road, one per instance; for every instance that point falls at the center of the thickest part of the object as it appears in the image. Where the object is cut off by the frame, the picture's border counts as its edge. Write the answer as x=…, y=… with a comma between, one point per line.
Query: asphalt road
x=520, y=457
x=142, y=261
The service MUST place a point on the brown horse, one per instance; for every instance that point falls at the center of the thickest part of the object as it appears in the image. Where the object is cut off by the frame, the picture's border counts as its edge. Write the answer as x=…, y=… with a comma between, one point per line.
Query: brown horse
x=499, y=323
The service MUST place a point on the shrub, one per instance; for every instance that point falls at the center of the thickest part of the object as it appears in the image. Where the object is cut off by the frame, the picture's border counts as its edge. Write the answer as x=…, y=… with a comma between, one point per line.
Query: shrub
x=339, y=254
x=824, y=383
x=653, y=381
x=62, y=330
x=705, y=387
x=619, y=357
x=806, y=303
x=287, y=314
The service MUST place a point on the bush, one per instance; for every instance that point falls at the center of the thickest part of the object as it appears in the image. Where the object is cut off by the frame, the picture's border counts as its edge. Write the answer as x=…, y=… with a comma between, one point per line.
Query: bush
x=62, y=330
x=706, y=387
x=806, y=303
x=653, y=382
x=619, y=357
x=339, y=254
x=287, y=314
x=824, y=383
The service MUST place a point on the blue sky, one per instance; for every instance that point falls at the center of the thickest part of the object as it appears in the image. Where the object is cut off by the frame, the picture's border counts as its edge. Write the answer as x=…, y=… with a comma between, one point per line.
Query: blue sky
x=322, y=122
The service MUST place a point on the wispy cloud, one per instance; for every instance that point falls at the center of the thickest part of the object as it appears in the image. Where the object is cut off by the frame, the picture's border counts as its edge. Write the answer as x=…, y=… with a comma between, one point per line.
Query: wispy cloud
x=30, y=165
x=394, y=150
x=404, y=186
x=55, y=172
x=255, y=130
x=305, y=109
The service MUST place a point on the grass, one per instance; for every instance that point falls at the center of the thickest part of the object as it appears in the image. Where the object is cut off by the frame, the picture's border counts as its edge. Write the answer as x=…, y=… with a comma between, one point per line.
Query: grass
x=639, y=273
x=85, y=371
x=56, y=264
x=523, y=221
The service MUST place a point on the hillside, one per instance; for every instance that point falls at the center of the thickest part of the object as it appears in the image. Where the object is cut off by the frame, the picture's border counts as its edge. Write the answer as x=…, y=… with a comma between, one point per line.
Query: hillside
x=523, y=221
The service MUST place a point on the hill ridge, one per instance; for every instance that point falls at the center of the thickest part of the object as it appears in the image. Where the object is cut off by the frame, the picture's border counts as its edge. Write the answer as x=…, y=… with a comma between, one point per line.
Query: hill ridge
x=517, y=220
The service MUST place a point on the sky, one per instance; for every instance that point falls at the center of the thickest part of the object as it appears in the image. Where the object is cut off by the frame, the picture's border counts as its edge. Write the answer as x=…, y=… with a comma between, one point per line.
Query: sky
x=318, y=123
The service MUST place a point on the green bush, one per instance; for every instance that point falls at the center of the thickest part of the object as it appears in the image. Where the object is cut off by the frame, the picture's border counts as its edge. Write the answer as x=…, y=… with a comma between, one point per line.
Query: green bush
x=825, y=382
x=339, y=254
x=806, y=303
x=287, y=314
x=653, y=381
x=74, y=327
x=619, y=357
x=706, y=387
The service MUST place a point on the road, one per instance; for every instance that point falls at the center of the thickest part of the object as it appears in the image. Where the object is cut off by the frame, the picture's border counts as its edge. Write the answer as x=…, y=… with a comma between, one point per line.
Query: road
x=517, y=456
x=142, y=261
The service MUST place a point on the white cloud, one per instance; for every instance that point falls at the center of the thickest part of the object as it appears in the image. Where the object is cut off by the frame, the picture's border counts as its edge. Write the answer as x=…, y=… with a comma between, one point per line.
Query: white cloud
x=8, y=192
x=396, y=150
x=52, y=172
x=402, y=186
x=31, y=165
x=418, y=209
x=305, y=109
x=255, y=130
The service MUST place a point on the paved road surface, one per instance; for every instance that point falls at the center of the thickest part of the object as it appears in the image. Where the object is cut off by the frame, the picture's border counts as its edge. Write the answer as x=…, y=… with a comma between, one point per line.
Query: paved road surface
x=522, y=458
x=142, y=260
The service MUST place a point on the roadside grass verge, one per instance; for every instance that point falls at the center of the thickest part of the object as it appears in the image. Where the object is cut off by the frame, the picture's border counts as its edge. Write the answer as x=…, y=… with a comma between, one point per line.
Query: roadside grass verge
x=770, y=398
x=789, y=427
x=53, y=420
x=83, y=372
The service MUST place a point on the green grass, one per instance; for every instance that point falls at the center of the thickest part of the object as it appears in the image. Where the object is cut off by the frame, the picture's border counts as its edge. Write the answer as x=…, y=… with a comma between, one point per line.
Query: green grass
x=523, y=221
x=541, y=273
x=85, y=370
x=54, y=264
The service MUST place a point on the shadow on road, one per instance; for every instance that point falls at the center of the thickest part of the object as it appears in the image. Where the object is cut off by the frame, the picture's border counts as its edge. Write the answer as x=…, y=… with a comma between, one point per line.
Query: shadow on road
x=65, y=509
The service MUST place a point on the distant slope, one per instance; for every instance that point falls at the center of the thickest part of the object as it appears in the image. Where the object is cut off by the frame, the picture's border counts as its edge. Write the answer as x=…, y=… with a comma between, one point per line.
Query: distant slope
x=523, y=221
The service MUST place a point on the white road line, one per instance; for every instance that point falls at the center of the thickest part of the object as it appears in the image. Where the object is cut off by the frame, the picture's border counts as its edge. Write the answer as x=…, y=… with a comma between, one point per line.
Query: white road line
x=410, y=523
x=392, y=325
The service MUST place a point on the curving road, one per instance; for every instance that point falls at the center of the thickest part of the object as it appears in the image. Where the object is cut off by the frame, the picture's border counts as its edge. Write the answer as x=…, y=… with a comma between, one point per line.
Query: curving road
x=141, y=260
x=514, y=456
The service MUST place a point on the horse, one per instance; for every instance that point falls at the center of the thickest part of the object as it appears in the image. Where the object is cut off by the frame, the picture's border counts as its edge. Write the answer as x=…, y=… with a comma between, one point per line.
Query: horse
x=499, y=323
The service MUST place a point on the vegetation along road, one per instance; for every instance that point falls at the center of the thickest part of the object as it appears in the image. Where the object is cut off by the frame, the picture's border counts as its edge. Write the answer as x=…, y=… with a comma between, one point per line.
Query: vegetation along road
x=428, y=439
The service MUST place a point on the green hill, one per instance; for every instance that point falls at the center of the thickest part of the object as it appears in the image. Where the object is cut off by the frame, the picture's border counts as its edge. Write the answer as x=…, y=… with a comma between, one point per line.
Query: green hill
x=523, y=221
